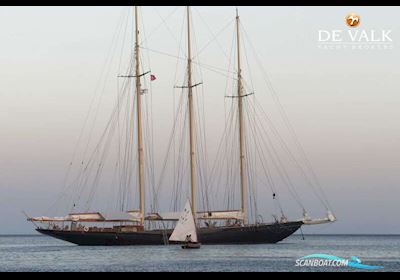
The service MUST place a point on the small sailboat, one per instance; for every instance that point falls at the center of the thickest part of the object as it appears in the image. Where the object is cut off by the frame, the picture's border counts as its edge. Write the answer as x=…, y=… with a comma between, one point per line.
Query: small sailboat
x=185, y=230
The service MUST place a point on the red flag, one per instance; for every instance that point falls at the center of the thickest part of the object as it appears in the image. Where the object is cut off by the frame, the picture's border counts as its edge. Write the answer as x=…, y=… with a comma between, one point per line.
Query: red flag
x=152, y=78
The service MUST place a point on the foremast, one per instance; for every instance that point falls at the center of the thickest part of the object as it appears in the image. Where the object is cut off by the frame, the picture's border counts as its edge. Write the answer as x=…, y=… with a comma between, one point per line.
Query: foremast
x=139, y=121
x=242, y=150
x=192, y=133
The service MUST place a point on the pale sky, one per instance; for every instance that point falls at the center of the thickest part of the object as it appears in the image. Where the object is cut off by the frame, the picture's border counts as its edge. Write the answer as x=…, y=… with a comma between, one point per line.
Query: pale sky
x=343, y=104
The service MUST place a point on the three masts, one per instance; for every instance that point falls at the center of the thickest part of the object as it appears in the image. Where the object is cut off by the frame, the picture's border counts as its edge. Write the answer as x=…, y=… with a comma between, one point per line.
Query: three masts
x=240, y=232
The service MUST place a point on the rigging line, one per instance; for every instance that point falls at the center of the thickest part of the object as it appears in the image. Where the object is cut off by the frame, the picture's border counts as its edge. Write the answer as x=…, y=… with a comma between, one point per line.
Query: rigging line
x=100, y=99
x=234, y=153
x=285, y=147
x=122, y=157
x=200, y=169
x=232, y=180
x=127, y=142
x=90, y=107
x=289, y=125
x=123, y=44
x=278, y=164
x=205, y=154
x=175, y=166
x=253, y=163
x=127, y=151
x=173, y=132
x=151, y=149
x=230, y=163
x=232, y=145
x=91, y=159
x=182, y=152
x=79, y=178
x=218, y=157
x=149, y=168
x=119, y=106
x=105, y=151
x=126, y=155
x=249, y=68
x=163, y=21
x=249, y=171
x=262, y=159
x=96, y=149
x=172, y=33
x=214, y=36
x=104, y=132
x=266, y=170
x=147, y=134
x=224, y=137
x=315, y=190
x=111, y=190
x=119, y=203
x=248, y=113
x=199, y=147
x=215, y=68
x=225, y=160
x=182, y=155
x=201, y=133
x=222, y=147
x=263, y=129
x=226, y=121
x=117, y=169
x=175, y=115
x=132, y=152
x=178, y=133
x=206, y=66
x=282, y=171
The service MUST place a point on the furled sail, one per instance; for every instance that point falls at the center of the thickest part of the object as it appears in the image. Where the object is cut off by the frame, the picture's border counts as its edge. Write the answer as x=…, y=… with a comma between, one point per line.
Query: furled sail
x=221, y=215
x=209, y=215
x=330, y=218
x=185, y=228
x=132, y=216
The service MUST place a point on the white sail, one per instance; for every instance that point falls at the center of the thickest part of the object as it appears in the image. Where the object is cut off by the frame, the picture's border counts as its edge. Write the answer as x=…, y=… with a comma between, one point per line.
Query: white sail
x=185, y=227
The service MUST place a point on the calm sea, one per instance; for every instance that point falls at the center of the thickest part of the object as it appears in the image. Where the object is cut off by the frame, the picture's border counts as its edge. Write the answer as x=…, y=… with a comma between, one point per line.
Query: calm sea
x=40, y=253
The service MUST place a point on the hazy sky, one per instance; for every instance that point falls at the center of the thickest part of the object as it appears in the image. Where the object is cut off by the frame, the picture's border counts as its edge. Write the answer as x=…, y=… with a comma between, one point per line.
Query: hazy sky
x=343, y=104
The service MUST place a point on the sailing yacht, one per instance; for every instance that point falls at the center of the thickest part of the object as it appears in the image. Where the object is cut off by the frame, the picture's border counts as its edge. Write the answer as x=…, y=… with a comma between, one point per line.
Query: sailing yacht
x=185, y=230
x=212, y=227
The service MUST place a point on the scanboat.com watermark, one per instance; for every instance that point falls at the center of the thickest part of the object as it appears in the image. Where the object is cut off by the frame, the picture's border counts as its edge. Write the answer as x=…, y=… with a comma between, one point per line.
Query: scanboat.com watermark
x=323, y=260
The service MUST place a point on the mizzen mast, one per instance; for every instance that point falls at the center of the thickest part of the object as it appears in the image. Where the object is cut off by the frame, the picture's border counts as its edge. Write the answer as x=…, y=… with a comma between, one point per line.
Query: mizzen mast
x=191, y=117
x=242, y=151
x=139, y=119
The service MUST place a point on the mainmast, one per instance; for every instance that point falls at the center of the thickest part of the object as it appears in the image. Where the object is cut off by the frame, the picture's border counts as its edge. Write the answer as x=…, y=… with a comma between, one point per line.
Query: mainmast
x=139, y=119
x=242, y=151
x=191, y=117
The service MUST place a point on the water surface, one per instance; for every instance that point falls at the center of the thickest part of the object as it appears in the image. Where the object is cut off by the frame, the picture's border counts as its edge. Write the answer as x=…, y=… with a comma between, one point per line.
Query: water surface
x=41, y=253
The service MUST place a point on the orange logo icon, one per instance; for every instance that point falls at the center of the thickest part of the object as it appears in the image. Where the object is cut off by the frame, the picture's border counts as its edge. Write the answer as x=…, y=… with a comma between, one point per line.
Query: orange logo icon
x=353, y=20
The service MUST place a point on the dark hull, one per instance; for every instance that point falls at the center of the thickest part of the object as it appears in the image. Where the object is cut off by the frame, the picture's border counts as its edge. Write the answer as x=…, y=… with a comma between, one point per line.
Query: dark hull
x=271, y=233
x=191, y=246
